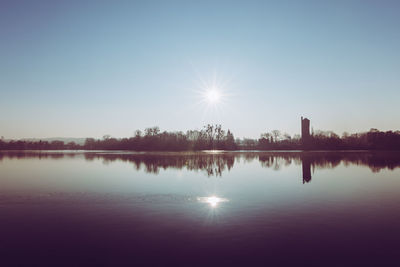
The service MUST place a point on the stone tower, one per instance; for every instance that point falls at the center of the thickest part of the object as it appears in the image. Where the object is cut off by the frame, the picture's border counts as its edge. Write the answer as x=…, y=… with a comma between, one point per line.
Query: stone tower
x=305, y=129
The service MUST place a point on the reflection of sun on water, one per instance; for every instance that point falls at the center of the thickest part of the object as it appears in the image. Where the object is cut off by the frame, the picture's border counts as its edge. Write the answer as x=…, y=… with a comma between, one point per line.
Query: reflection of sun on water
x=213, y=201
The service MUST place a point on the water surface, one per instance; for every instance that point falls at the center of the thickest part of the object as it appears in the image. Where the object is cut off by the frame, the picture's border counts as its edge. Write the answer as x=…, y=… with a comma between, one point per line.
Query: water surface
x=205, y=208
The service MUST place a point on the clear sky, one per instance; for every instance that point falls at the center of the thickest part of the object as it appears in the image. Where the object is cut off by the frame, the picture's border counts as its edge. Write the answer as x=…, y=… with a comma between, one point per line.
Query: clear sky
x=89, y=68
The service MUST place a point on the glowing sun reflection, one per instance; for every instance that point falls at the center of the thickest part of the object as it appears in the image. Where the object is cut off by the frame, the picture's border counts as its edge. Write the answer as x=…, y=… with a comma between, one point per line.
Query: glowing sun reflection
x=213, y=201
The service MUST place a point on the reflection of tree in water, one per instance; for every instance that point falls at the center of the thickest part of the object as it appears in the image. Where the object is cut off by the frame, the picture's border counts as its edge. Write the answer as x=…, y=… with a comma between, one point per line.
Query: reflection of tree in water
x=375, y=160
x=214, y=164
x=275, y=161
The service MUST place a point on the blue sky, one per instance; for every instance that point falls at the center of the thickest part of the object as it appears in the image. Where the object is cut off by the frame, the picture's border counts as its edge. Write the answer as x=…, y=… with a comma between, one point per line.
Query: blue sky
x=89, y=68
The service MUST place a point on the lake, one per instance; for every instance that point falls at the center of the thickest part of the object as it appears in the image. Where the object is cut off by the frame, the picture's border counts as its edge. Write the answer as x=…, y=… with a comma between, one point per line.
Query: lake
x=108, y=208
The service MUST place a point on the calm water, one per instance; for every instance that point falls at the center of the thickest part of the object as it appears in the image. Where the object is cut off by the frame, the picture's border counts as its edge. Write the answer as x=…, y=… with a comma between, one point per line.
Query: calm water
x=242, y=208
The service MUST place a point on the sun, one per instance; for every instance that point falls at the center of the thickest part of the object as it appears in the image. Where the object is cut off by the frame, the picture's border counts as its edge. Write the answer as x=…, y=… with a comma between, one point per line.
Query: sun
x=212, y=95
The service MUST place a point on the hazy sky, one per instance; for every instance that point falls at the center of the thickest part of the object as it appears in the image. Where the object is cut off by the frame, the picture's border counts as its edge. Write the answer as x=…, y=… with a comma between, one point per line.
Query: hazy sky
x=89, y=68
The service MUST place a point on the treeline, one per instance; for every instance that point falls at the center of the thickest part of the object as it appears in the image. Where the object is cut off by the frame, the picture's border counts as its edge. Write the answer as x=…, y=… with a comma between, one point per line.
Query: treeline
x=326, y=140
x=213, y=137
x=209, y=138
x=38, y=145
x=372, y=140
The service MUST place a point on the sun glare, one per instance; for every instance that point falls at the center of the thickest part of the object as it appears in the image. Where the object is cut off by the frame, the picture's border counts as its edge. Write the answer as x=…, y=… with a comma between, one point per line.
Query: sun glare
x=213, y=201
x=213, y=96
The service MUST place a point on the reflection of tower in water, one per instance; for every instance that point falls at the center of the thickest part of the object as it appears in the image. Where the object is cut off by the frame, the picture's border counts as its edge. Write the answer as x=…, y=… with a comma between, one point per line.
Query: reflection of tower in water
x=306, y=166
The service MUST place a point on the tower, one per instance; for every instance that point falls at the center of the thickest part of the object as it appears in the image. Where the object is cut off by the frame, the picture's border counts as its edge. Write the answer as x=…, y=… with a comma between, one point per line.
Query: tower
x=305, y=129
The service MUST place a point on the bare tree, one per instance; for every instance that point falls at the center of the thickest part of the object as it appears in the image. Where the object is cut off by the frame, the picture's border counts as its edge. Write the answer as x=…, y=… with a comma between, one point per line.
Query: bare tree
x=219, y=134
x=209, y=129
x=276, y=134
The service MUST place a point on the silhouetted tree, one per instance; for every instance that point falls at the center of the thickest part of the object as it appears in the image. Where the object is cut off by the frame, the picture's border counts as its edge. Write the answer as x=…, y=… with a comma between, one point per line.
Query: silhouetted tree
x=276, y=134
x=230, y=141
